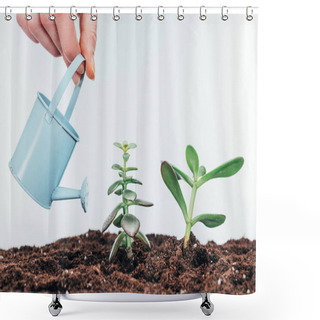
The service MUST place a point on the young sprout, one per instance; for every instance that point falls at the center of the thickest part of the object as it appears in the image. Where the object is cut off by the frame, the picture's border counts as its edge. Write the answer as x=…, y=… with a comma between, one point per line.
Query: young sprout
x=171, y=175
x=125, y=220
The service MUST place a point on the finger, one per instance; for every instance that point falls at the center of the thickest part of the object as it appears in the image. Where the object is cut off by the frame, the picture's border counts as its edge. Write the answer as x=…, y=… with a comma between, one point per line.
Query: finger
x=23, y=23
x=68, y=38
x=38, y=31
x=51, y=29
x=88, y=39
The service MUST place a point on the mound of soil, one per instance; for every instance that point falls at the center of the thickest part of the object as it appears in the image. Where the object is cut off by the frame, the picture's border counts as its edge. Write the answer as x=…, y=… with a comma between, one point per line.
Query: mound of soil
x=80, y=265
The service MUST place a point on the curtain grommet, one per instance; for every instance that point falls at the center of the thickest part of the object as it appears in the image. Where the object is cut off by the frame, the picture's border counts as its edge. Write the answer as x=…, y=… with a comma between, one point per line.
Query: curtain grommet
x=138, y=16
x=7, y=16
x=224, y=13
x=52, y=17
x=94, y=16
x=203, y=13
x=116, y=17
x=73, y=15
x=249, y=13
x=180, y=13
x=160, y=15
x=28, y=15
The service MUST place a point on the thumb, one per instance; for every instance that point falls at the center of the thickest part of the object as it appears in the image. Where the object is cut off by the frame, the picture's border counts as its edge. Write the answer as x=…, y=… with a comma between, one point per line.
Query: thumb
x=88, y=38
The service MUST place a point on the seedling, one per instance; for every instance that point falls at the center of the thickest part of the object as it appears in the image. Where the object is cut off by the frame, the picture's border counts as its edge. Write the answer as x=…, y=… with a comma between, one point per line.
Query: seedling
x=171, y=175
x=125, y=220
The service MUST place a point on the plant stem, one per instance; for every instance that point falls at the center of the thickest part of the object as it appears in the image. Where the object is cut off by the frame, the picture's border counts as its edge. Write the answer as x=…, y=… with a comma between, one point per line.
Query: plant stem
x=192, y=201
x=187, y=235
x=125, y=208
x=128, y=247
x=190, y=215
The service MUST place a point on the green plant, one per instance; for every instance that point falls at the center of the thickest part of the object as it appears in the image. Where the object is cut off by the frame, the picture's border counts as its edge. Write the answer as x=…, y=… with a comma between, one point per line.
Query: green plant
x=125, y=220
x=171, y=175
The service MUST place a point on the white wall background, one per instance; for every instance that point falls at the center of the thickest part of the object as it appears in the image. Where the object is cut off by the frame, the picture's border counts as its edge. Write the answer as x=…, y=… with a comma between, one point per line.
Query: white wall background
x=162, y=85
x=288, y=177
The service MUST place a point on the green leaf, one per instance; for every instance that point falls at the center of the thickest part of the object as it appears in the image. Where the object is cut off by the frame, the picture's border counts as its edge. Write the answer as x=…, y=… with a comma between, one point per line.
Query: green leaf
x=118, y=192
x=114, y=186
x=143, y=238
x=129, y=195
x=111, y=217
x=125, y=144
x=132, y=145
x=117, y=167
x=183, y=175
x=142, y=203
x=131, y=180
x=131, y=169
x=126, y=156
x=116, y=245
x=228, y=169
x=117, y=221
x=210, y=220
x=192, y=160
x=171, y=181
x=130, y=224
x=120, y=174
x=202, y=171
x=118, y=145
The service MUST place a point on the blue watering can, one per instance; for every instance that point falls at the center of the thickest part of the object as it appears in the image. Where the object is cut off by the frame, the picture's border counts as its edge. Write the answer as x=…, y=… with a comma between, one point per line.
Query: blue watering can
x=46, y=145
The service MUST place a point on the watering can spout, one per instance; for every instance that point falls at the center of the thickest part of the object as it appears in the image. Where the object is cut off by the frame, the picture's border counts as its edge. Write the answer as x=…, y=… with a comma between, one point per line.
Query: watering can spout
x=61, y=193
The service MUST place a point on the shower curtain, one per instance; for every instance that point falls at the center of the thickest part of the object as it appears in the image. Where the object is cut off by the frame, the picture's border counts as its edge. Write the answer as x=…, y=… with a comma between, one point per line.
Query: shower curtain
x=140, y=181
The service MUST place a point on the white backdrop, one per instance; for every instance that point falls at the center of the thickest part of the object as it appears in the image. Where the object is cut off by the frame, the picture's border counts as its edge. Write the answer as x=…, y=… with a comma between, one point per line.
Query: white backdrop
x=161, y=85
x=288, y=205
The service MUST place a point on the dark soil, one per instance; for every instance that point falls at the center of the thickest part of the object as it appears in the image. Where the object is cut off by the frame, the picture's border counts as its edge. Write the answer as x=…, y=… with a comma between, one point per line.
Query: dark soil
x=80, y=264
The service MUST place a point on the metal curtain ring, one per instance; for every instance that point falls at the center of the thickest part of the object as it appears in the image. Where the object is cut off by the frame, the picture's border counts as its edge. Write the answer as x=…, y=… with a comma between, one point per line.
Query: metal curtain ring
x=160, y=16
x=138, y=16
x=249, y=16
x=116, y=17
x=203, y=13
x=28, y=16
x=7, y=16
x=224, y=13
x=180, y=13
x=51, y=15
x=94, y=17
x=73, y=16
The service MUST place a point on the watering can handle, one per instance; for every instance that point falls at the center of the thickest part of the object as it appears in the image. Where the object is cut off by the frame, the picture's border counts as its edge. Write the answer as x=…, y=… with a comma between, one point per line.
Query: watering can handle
x=63, y=85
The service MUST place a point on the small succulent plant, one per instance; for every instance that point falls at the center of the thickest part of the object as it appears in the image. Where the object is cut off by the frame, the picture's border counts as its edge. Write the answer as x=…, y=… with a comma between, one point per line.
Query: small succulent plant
x=125, y=220
x=171, y=176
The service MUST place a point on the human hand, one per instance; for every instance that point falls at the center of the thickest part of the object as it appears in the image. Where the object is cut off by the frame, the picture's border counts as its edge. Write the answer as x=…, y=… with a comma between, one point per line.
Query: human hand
x=59, y=38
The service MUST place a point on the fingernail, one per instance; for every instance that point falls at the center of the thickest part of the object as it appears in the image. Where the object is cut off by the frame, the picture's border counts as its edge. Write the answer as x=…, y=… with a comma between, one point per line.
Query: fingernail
x=76, y=79
x=93, y=67
x=82, y=68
